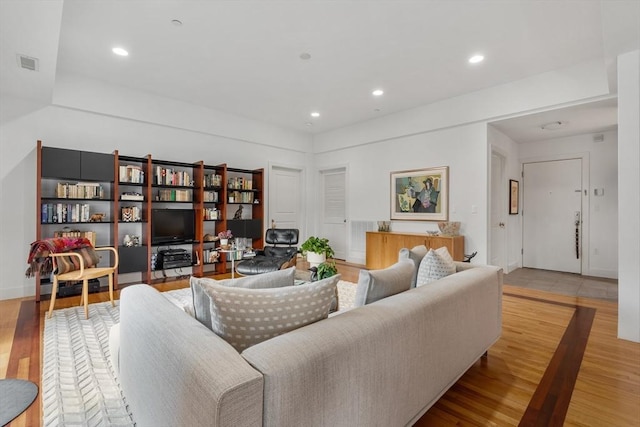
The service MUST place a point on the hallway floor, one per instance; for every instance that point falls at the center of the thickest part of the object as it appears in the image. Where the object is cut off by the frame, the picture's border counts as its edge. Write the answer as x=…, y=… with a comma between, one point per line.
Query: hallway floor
x=564, y=283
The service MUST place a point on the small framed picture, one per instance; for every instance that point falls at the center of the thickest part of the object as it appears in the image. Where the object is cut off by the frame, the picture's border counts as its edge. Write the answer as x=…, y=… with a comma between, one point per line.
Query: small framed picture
x=514, y=193
x=421, y=194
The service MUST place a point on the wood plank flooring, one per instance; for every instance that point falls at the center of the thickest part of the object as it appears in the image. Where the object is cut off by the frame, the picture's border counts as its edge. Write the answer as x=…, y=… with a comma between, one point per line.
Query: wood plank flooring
x=558, y=362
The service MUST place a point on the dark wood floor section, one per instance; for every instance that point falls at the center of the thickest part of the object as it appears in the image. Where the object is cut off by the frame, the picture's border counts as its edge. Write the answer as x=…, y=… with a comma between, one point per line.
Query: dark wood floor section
x=550, y=402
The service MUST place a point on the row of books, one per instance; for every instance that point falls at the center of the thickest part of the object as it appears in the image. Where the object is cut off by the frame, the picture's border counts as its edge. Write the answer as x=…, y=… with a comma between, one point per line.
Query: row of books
x=211, y=213
x=59, y=213
x=210, y=196
x=131, y=174
x=172, y=195
x=240, y=183
x=212, y=180
x=168, y=176
x=80, y=190
x=91, y=235
x=240, y=197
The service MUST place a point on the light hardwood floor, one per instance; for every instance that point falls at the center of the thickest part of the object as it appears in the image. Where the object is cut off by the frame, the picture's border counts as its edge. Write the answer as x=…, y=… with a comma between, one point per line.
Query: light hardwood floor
x=558, y=362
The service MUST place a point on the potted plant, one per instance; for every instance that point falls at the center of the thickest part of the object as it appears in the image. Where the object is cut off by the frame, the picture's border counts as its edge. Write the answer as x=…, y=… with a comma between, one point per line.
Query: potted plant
x=224, y=237
x=317, y=250
x=327, y=269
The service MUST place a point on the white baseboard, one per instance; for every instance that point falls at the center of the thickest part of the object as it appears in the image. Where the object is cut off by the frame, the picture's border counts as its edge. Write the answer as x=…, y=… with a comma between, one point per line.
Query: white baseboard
x=607, y=274
x=16, y=292
x=512, y=266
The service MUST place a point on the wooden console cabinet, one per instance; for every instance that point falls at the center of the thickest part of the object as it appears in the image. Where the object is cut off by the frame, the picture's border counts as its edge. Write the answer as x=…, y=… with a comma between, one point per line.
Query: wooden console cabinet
x=383, y=247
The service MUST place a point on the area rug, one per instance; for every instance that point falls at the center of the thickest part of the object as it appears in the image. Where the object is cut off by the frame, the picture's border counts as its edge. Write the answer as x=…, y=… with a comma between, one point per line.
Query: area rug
x=15, y=396
x=79, y=385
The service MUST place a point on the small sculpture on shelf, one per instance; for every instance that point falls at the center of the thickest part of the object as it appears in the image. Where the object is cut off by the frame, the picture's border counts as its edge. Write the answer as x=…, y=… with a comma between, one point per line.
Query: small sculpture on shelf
x=238, y=214
x=97, y=217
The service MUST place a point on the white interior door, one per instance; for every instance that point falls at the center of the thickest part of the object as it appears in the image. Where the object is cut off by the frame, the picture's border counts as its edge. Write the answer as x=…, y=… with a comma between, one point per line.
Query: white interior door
x=552, y=203
x=285, y=197
x=334, y=218
x=498, y=211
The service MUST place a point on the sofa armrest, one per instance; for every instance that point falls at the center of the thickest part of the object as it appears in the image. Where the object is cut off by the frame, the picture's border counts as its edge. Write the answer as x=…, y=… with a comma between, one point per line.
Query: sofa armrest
x=175, y=371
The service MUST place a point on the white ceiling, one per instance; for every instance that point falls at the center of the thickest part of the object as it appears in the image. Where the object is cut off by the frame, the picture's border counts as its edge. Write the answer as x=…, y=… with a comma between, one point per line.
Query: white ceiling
x=243, y=57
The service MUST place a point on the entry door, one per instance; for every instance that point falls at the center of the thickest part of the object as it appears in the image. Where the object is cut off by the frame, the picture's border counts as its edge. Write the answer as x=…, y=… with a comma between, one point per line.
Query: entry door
x=552, y=215
x=334, y=219
x=285, y=197
x=498, y=211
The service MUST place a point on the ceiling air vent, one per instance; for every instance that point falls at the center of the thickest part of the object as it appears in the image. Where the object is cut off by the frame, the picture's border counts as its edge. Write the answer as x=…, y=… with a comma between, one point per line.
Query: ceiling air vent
x=27, y=62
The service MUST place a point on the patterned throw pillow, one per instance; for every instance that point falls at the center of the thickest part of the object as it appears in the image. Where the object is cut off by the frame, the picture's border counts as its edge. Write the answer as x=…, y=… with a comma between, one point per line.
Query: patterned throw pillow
x=201, y=303
x=69, y=263
x=435, y=265
x=245, y=317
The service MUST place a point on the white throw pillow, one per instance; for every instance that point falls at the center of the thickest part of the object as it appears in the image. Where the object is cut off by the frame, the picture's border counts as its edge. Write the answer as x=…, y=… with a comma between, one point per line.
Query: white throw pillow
x=245, y=317
x=201, y=300
x=435, y=265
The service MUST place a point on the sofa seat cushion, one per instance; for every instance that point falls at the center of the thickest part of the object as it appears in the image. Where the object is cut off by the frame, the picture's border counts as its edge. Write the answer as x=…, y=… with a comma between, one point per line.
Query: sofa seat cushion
x=244, y=317
x=201, y=300
x=374, y=285
x=435, y=265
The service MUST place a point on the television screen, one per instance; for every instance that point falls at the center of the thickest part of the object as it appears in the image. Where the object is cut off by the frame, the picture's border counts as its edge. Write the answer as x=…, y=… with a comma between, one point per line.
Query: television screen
x=172, y=226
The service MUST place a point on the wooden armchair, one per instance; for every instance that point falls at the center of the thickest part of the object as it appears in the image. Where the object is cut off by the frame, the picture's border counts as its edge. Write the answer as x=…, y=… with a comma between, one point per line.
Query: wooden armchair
x=83, y=274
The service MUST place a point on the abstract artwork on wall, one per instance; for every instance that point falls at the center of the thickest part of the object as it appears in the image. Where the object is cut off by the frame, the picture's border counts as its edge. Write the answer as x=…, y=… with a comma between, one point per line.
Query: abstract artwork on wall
x=420, y=194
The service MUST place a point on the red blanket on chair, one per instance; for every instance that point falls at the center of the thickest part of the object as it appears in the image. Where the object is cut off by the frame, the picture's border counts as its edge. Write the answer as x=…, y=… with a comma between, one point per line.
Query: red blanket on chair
x=39, y=259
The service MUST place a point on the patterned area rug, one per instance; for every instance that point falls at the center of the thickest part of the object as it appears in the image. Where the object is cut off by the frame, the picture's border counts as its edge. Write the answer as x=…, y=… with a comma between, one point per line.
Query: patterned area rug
x=79, y=386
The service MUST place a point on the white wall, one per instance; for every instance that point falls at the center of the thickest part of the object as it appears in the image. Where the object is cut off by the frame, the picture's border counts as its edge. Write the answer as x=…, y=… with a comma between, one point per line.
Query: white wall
x=509, y=149
x=600, y=245
x=69, y=128
x=369, y=169
x=629, y=202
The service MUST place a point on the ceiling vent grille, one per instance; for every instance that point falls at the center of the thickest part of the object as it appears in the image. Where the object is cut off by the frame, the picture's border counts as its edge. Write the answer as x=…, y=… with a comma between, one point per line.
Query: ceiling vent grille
x=28, y=63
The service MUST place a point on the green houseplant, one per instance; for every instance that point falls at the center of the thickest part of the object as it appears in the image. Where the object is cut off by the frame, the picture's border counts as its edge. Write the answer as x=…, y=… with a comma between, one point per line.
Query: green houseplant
x=317, y=250
x=327, y=269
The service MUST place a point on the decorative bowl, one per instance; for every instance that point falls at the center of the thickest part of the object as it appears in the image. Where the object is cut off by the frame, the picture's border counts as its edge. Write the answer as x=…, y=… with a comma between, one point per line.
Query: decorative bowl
x=449, y=228
x=432, y=232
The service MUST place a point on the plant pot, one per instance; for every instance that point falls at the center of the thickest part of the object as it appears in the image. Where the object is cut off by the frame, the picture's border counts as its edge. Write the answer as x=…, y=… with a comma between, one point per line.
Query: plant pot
x=224, y=242
x=315, y=259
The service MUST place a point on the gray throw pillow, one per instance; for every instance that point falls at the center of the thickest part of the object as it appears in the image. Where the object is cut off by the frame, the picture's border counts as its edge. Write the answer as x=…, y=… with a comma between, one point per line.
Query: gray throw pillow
x=245, y=317
x=435, y=265
x=201, y=300
x=415, y=254
x=374, y=285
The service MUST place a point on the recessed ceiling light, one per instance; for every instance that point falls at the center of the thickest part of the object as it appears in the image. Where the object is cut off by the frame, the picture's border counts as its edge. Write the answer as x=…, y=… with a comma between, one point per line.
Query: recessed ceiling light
x=315, y=114
x=176, y=22
x=377, y=92
x=120, y=51
x=376, y=110
x=308, y=124
x=552, y=125
x=305, y=56
x=476, y=58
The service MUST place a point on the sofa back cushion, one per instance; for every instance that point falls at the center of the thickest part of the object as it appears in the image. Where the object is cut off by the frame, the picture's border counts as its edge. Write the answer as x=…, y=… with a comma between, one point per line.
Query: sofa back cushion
x=374, y=285
x=201, y=300
x=435, y=265
x=244, y=317
x=415, y=254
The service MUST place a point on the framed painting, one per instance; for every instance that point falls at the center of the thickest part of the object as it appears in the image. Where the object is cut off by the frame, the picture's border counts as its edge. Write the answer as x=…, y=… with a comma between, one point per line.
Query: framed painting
x=514, y=191
x=420, y=194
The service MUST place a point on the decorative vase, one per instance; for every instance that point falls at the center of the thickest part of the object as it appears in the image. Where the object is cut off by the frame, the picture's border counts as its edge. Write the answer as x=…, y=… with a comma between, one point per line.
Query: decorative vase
x=127, y=240
x=315, y=259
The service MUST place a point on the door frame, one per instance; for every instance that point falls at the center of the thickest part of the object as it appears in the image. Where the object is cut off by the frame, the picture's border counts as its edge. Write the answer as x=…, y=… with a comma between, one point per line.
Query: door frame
x=585, y=206
x=505, y=255
x=303, y=219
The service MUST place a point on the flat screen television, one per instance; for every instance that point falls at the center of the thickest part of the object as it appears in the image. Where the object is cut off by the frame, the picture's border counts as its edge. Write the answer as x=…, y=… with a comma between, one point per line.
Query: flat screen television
x=172, y=226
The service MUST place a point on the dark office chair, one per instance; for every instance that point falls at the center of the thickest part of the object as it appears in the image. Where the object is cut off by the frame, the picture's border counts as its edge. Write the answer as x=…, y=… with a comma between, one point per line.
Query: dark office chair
x=279, y=254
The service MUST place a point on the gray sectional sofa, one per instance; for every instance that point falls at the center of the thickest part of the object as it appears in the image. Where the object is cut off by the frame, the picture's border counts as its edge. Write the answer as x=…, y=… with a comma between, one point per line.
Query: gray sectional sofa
x=382, y=364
